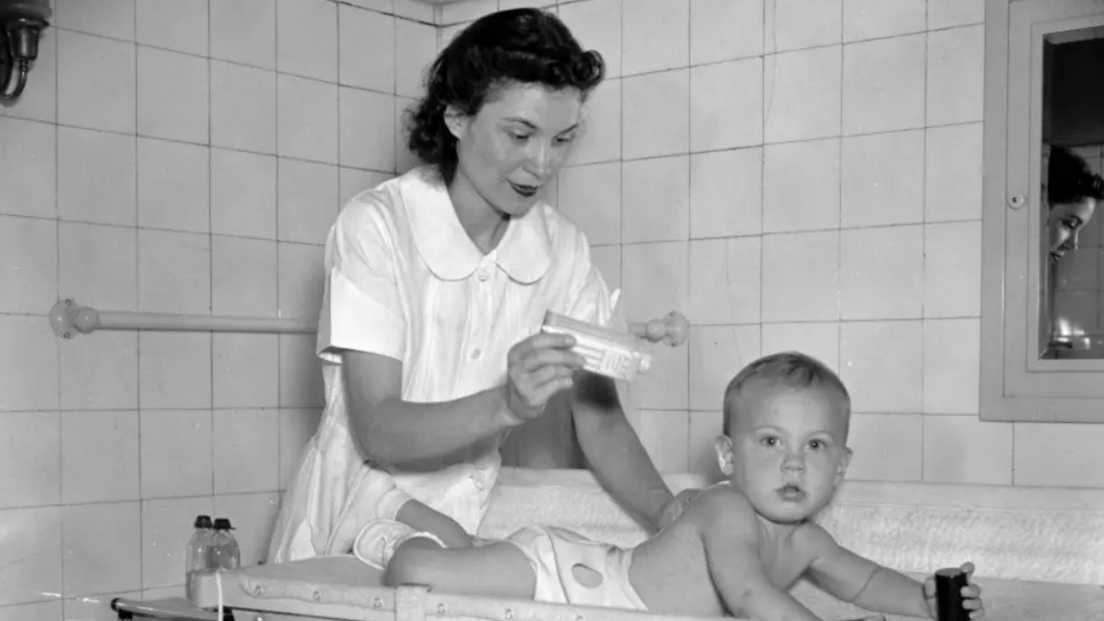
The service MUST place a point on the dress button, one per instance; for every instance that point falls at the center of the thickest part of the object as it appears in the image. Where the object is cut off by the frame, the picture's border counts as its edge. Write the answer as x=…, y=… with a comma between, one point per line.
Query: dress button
x=482, y=275
x=476, y=353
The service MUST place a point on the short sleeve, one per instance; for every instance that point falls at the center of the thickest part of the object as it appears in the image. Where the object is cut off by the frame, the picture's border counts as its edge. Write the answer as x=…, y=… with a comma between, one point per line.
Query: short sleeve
x=591, y=301
x=361, y=307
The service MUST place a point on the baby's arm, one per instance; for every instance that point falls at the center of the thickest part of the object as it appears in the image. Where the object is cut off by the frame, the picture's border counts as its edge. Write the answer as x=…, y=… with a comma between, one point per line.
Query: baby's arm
x=731, y=536
x=852, y=578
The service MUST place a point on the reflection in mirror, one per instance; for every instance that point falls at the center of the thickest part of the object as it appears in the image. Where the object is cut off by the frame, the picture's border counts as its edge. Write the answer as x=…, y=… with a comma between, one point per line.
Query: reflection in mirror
x=1073, y=147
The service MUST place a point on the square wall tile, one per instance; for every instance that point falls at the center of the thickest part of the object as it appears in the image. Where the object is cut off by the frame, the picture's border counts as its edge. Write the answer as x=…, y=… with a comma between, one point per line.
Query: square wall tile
x=174, y=370
x=243, y=194
x=597, y=26
x=174, y=272
x=39, y=576
x=101, y=456
x=656, y=114
x=302, y=277
x=666, y=385
x=28, y=264
x=704, y=429
x=726, y=105
x=655, y=199
x=176, y=453
x=107, y=18
x=366, y=49
x=307, y=36
x=956, y=80
x=725, y=280
x=247, y=451
x=174, y=186
x=243, y=276
x=600, y=140
x=98, y=265
x=243, y=107
x=881, y=362
x=100, y=371
x=300, y=372
x=367, y=129
x=887, y=447
x=726, y=193
x=38, y=101
x=876, y=19
x=173, y=96
x=965, y=450
x=953, y=173
x=352, y=181
x=28, y=363
x=801, y=24
x=244, y=31
x=246, y=370
x=883, y=85
x=297, y=427
x=801, y=186
x=96, y=86
x=28, y=168
x=415, y=51
x=717, y=353
x=655, y=35
x=179, y=25
x=306, y=118
x=655, y=280
x=308, y=201
x=819, y=340
x=883, y=273
x=1058, y=455
x=103, y=548
x=166, y=529
x=590, y=196
x=666, y=437
x=471, y=10
x=254, y=518
x=883, y=179
x=30, y=461
x=952, y=366
x=801, y=277
x=802, y=94
x=952, y=269
x=405, y=159
x=409, y=9
x=725, y=30
x=96, y=177
x=607, y=260
x=948, y=13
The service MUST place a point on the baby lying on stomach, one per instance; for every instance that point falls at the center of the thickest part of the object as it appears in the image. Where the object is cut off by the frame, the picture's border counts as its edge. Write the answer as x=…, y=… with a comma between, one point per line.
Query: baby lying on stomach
x=736, y=549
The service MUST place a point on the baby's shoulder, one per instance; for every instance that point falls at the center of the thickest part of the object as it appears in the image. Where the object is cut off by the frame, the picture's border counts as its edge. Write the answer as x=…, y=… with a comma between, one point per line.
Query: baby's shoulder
x=722, y=505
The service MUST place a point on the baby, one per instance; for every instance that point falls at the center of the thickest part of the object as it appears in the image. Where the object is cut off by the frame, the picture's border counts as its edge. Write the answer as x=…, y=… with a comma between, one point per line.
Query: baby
x=736, y=549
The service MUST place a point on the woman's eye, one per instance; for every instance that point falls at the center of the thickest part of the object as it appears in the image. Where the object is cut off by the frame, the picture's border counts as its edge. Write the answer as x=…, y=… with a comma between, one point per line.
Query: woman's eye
x=565, y=139
x=519, y=137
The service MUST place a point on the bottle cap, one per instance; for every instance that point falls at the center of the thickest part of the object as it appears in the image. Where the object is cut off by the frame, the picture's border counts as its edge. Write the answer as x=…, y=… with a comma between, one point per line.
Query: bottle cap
x=203, y=521
x=223, y=524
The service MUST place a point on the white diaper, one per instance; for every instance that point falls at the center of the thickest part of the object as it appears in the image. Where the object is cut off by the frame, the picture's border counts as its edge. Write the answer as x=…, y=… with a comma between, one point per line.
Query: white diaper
x=554, y=554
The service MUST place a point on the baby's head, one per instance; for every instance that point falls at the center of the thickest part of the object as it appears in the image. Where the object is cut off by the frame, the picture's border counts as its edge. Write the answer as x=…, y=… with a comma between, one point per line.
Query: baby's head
x=784, y=445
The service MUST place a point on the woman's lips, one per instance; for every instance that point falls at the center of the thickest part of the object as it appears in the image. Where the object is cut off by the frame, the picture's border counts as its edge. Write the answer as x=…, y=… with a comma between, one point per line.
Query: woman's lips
x=525, y=190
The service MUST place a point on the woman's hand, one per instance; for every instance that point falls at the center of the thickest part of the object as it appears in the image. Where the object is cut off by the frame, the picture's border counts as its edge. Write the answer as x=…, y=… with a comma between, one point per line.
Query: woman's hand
x=537, y=368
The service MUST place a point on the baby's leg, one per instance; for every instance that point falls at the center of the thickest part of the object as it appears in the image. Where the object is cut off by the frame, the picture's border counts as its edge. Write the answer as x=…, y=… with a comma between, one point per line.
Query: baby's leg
x=423, y=518
x=496, y=570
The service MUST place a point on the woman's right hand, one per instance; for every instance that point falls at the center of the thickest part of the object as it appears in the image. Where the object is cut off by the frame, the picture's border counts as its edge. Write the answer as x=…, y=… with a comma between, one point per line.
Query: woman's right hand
x=537, y=368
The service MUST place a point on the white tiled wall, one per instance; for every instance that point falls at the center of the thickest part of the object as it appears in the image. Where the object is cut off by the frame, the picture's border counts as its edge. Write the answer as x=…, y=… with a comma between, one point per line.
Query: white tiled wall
x=175, y=156
x=803, y=174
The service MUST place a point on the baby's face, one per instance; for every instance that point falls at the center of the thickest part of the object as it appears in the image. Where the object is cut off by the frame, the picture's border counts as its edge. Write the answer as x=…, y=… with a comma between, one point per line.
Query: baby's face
x=788, y=448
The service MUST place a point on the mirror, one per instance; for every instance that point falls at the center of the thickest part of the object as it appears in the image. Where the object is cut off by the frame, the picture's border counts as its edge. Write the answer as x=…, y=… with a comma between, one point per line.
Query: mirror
x=1071, y=254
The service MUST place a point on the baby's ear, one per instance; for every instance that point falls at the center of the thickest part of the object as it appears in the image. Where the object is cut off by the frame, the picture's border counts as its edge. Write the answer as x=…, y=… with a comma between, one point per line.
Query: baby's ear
x=723, y=445
x=841, y=466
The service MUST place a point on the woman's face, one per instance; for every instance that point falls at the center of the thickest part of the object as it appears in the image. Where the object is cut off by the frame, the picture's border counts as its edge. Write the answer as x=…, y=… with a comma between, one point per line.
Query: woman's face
x=1066, y=220
x=516, y=144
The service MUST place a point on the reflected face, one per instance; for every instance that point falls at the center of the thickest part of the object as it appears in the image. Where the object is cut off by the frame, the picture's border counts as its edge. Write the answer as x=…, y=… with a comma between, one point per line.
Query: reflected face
x=1066, y=220
x=787, y=452
x=515, y=144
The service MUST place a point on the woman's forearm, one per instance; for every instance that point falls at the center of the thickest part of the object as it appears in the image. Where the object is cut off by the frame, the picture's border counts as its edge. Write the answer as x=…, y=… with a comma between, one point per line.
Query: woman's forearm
x=411, y=435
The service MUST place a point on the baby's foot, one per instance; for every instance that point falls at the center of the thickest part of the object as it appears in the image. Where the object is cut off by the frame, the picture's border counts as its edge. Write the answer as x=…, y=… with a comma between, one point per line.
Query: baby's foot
x=378, y=540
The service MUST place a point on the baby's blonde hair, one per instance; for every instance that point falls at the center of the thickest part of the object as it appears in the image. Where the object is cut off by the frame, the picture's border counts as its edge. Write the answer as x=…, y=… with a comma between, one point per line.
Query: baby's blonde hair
x=789, y=368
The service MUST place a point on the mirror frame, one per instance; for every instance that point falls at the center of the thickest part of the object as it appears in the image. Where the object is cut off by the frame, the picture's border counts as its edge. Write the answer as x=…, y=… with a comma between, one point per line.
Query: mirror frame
x=1016, y=386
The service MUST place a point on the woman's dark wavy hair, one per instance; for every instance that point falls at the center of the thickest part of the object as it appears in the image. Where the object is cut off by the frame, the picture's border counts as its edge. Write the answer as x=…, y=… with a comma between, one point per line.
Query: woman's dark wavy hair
x=524, y=46
x=1070, y=180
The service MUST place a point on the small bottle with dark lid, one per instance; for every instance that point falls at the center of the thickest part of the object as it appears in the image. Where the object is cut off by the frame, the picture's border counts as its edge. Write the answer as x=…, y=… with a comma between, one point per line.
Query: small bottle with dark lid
x=224, y=551
x=197, y=556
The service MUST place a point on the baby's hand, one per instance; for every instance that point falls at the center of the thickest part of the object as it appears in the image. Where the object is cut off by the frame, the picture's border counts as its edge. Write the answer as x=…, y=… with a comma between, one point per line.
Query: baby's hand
x=971, y=595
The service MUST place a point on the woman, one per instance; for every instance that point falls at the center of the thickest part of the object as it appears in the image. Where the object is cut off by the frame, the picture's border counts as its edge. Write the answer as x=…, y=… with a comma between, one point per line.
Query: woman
x=437, y=283
x=1072, y=192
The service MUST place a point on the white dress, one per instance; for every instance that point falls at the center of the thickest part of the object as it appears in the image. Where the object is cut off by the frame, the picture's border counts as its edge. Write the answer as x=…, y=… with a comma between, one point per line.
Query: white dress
x=404, y=280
